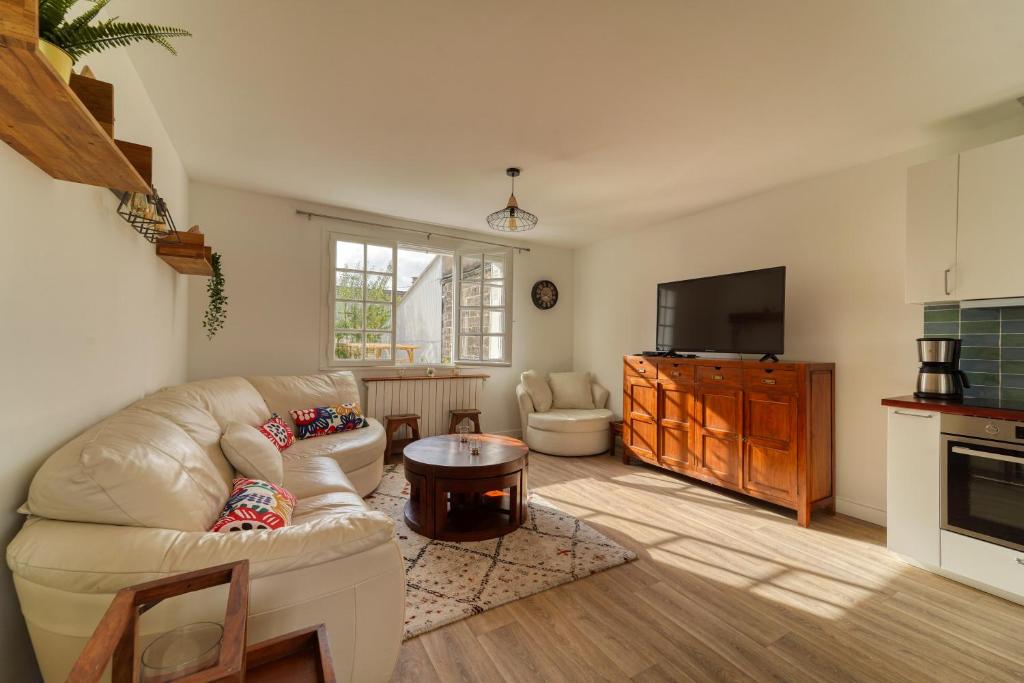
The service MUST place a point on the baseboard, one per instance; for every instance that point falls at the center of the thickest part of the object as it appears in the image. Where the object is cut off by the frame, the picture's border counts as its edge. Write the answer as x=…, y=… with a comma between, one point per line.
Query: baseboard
x=515, y=433
x=860, y=511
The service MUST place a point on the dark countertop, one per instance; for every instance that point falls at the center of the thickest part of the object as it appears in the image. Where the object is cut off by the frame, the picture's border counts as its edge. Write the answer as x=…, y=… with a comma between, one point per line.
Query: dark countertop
x=978, y=407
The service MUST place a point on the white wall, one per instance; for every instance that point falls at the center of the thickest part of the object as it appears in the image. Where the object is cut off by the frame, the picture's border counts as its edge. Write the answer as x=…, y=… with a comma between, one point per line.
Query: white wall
x=272, y=267
x=92, y=319
x=841, y=236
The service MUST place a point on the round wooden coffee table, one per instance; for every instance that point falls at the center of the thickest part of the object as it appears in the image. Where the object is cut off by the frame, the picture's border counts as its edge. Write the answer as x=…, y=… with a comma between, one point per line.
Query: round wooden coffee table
x=457, y=496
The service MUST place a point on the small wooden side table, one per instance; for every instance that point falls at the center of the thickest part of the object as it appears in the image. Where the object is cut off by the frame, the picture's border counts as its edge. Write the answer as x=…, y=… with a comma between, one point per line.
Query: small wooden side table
x=302, y=656
x=615, y=428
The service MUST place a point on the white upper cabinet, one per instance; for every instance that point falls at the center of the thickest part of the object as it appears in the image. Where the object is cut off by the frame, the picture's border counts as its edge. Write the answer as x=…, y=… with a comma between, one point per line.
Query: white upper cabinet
x=932, y=232
x=990, y=240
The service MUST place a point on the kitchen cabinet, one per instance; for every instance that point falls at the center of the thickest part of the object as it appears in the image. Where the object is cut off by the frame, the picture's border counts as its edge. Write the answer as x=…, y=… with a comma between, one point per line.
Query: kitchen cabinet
x=932, y=232
x=984, y=563
x=914, y=484
x=990, y=234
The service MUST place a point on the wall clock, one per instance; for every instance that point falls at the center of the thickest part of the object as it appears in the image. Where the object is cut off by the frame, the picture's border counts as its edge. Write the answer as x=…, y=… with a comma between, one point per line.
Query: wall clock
x=544, y=294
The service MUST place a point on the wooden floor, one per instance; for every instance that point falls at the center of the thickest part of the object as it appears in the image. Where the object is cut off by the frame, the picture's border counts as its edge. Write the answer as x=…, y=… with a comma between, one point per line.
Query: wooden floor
x=724, y=589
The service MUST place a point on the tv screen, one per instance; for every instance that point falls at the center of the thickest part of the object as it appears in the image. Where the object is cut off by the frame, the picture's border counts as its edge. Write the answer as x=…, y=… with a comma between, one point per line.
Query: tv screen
x=737, y=313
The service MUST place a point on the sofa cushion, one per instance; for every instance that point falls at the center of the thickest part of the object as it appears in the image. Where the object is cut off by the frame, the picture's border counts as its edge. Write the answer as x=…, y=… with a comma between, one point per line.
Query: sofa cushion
x=538, y=389
x=278, y=432
x=255, y=505
x=324, y=420
x=571, y=390
x=352, y=450
x=327, y=505
x=314, y=476
x=135, y=468
x=287, y=393
x=252, y=454
x=571, y=420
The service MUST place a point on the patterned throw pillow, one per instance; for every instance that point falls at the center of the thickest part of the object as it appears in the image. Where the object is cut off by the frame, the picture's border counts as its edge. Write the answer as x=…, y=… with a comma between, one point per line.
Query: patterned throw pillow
x=278, y=431
x=255, y=504
x=311, y=422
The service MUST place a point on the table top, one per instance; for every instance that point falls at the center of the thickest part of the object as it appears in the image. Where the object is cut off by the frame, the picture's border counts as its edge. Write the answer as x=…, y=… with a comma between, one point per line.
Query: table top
x=445, y=451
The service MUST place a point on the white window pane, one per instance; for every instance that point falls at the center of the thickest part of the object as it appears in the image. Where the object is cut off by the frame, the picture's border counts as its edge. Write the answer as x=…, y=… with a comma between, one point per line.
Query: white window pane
x=494, y=267
x=378, y=346
x=493, y=321
x=348, y=346
x=349, y=286
x=349, y=255
x=493, y=348
x=348, y=316
x=378, y=316
x=470, y=321
x=378, y=259
x=423, y=314
x=494, y=295
x=469, y=348
x=470, y=267
x=378, y=287
x=470, y=294
x=413, y=263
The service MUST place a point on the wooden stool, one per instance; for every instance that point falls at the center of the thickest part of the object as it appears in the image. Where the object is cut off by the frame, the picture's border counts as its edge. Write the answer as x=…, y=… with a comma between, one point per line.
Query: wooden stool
x=392, y=423
x=615, y=427
x=462, y=414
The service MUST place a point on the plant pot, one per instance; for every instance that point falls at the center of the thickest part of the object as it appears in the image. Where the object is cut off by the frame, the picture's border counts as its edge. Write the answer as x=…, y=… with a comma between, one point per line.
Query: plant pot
x=60, y=60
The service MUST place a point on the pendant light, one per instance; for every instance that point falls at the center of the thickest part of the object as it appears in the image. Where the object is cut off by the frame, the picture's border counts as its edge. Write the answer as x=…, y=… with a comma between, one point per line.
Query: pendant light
x=512, y=218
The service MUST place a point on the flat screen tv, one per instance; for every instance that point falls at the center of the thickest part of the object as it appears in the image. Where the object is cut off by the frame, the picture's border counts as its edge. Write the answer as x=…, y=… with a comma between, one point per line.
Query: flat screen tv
x=736, y=313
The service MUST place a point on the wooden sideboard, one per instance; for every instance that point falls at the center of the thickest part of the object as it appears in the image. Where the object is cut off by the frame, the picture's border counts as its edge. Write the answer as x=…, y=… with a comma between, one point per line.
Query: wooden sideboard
x=763, y=429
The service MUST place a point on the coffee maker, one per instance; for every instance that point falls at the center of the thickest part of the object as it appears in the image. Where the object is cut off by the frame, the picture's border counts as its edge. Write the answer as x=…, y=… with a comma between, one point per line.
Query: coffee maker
x=940, y=375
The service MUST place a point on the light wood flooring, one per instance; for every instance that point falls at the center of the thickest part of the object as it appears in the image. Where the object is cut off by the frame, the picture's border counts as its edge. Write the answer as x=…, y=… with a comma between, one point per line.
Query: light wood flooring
x=725, y=589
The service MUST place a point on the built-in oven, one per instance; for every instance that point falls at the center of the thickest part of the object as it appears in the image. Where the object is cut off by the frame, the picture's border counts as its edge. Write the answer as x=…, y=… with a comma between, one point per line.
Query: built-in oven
x=983, y=479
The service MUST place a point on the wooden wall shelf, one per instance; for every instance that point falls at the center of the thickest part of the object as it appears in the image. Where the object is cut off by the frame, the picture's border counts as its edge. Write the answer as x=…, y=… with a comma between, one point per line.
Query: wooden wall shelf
x=187, y=254
x=43, y=119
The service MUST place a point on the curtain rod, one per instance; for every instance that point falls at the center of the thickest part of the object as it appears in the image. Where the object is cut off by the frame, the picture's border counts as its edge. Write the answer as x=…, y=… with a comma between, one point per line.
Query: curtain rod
x=310, y=215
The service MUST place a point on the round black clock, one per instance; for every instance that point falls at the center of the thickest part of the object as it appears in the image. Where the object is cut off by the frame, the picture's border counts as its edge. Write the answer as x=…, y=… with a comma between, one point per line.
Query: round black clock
x=544, y=294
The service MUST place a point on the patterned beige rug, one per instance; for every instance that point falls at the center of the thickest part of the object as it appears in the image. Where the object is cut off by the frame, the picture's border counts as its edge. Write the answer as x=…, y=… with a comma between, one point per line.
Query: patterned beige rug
x=447, y=582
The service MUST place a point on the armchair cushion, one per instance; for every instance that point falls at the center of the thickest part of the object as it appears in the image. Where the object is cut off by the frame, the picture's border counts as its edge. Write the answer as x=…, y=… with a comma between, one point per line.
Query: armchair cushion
x=252, y=454
x=569, y=420
x=571, y=390
x=538, y=390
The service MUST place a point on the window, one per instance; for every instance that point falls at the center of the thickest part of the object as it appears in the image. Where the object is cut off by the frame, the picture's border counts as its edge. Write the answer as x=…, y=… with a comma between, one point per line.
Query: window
x=407, y=304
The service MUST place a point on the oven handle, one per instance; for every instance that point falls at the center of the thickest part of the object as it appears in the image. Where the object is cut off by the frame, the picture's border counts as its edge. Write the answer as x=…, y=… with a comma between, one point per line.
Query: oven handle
x=986, y=454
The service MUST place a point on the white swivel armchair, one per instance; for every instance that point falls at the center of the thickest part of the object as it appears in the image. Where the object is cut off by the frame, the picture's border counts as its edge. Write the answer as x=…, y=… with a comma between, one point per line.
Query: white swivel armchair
x=564, y=414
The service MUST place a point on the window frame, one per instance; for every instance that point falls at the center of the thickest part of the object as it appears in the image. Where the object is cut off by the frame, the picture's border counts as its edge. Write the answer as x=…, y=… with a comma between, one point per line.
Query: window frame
x=435, y=243
x=506, y=307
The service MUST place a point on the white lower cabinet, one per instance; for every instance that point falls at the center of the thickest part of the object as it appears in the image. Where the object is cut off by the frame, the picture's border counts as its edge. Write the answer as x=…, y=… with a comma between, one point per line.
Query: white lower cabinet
x=983, y=562
x=914, y=483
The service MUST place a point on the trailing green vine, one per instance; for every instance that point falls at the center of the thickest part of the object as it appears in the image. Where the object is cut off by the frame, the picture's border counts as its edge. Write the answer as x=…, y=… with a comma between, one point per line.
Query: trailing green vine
x=216, y=310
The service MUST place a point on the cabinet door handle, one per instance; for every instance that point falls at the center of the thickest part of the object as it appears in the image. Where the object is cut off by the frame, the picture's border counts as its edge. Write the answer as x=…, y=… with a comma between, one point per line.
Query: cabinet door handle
x=641, y=370
x=717, y=377
x=945, y=281
x=926, y=416
x=767, y=381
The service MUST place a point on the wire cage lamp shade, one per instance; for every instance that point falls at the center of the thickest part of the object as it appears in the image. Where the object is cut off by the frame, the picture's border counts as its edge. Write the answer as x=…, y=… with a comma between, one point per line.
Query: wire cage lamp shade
x=148, y=214
x=512, y=218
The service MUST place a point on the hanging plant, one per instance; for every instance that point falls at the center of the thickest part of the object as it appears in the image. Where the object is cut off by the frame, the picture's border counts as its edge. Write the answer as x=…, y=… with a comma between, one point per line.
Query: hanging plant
x=216, y=310
x=82, y=35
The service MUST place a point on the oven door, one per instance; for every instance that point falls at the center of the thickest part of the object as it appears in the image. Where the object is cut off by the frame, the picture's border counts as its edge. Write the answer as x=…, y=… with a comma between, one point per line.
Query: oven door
x=983, y=489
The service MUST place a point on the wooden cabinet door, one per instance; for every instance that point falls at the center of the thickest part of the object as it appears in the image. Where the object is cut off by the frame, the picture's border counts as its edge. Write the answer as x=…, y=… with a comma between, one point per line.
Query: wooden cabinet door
x=720, y=419
x=640, y=427
x=931, y=231
x=675, y=425
x=991, y=212
x=770, y=447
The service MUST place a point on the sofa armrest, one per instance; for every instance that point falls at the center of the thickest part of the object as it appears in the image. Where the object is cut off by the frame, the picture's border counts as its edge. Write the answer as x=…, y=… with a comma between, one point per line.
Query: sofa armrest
x=525, y=406
x=600, y=394
x=103, y=558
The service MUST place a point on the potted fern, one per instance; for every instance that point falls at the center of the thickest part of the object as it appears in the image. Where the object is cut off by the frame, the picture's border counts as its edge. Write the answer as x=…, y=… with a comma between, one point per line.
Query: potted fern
x=63, y=40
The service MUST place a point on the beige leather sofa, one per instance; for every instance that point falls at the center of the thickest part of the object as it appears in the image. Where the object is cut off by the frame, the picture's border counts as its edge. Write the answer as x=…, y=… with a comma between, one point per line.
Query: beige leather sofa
x=131, y=499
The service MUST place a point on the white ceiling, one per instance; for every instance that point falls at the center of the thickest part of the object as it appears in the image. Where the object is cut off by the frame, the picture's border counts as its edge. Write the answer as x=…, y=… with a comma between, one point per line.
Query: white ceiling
x=621, y=114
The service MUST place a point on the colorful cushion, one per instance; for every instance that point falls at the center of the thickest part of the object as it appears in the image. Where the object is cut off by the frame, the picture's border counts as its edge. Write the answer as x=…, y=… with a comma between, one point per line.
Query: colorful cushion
x=278, y=431
x=251, y=453
x=255, y=504
x=311, y=422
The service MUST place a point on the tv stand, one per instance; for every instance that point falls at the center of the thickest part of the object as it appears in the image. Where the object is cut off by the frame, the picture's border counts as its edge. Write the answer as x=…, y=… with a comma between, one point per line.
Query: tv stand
x=769, y=357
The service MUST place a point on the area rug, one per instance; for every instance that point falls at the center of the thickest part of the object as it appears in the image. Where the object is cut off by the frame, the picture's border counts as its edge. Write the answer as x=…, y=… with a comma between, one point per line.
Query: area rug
x=446, y=582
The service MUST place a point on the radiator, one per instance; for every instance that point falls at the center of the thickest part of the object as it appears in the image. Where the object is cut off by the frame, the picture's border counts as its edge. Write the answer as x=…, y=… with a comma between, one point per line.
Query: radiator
x=432, y=398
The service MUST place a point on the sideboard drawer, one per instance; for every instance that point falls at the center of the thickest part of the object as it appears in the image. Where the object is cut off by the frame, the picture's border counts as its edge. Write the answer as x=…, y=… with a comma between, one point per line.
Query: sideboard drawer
x=768, y=378
x=641, y=367
x=719, y=375
x=674, y=371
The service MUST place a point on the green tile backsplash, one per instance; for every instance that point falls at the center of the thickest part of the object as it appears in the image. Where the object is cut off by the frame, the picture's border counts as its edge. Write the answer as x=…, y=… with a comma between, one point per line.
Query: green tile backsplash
x=992, y=346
